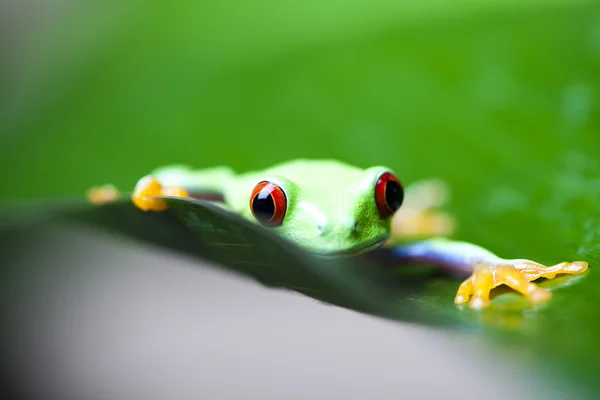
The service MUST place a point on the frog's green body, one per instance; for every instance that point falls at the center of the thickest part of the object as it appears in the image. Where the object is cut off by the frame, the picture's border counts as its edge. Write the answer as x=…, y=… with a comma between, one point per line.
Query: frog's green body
x=331, y=208
x=330, y=205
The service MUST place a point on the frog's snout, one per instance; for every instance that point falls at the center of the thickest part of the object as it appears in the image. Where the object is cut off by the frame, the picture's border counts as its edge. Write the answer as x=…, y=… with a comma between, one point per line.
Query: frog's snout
x=347, y=229
x=346, y=238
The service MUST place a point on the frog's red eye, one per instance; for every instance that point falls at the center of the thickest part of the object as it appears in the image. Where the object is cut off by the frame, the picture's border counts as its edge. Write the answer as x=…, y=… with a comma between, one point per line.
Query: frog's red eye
x=389, y=194
x=268, y=203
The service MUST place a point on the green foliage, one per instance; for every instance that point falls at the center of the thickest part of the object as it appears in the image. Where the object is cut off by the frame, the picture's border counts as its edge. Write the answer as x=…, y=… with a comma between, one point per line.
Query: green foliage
x=498, y=98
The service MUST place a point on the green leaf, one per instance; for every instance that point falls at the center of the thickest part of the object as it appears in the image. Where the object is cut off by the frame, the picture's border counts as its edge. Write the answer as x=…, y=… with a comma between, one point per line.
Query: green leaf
x=561, y=332
x=204, y=230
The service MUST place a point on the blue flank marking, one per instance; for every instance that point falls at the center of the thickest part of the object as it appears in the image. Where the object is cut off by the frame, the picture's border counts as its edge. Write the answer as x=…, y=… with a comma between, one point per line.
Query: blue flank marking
x=456, y=258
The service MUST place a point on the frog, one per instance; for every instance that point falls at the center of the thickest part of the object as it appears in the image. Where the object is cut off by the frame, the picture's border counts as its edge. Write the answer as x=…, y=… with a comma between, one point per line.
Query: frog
x=333, y=209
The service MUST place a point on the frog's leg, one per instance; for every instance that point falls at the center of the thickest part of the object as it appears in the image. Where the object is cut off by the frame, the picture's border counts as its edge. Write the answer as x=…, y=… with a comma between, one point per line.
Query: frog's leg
x=418, y=217
x=179, y=181
x=103, y=194
x=483, y=270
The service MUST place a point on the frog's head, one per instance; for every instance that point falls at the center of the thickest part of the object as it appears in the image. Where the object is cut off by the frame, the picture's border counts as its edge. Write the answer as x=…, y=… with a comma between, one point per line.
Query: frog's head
x=335, y=210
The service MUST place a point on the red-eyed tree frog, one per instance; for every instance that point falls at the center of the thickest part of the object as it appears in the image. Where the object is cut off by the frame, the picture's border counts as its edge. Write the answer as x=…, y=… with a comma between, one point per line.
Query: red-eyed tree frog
x=331, y=208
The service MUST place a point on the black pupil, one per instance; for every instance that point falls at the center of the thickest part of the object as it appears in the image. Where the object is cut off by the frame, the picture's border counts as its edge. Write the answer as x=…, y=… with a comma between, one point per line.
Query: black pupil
x=263, y=206
x=394, y=195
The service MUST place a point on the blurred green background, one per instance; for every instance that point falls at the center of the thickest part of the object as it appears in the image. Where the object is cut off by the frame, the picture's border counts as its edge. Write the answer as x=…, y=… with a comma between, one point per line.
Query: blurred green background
x=499, y=98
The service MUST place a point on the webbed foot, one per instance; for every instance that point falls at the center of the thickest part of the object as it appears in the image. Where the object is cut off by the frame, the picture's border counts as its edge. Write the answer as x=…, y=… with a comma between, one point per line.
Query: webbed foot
x=516, y=274
x=146, y=191
x=103, y=194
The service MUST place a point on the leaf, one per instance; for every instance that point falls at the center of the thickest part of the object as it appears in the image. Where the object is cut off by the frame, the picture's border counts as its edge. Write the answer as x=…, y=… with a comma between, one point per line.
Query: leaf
x=203, y=230
x=499, y=99
x=560, y=332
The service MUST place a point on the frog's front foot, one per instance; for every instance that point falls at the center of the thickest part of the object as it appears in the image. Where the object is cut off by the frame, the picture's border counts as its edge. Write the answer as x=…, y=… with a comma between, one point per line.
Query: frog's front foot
x=516, y=274
x=147, y=191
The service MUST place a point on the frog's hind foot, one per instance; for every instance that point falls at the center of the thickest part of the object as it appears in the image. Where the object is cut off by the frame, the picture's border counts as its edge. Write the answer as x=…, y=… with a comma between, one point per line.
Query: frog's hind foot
x=419, y=216
x=516, y=274
x=100, y=195
x=148, y=189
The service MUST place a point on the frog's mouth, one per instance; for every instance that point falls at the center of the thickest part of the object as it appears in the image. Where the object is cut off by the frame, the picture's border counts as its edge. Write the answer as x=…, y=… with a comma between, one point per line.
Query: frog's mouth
x=354, y=251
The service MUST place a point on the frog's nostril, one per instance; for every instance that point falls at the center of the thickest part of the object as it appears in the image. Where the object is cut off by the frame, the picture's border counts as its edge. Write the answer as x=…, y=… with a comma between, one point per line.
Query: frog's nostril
x=321, y=229
x=355, y=227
